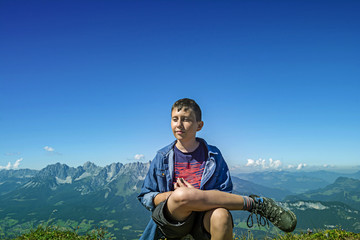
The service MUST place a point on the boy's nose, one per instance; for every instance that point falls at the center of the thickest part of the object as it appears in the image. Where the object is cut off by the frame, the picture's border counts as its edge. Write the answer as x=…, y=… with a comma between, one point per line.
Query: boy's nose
x=179, y=123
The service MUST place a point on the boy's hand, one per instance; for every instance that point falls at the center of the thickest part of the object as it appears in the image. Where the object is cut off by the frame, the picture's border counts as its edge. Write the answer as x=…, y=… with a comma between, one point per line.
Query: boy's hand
x=180, y=182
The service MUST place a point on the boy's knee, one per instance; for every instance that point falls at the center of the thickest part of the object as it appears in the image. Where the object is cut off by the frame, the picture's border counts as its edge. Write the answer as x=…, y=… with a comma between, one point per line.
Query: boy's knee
x=221, y=217
x=181, y=196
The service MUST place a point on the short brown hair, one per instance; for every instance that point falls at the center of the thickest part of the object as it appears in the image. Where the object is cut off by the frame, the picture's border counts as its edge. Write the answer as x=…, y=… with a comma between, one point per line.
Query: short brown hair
x=187, y=103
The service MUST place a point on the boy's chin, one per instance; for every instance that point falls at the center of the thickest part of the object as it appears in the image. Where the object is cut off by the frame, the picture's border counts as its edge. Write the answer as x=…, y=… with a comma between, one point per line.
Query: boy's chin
x=179, y=137
x=186, y=139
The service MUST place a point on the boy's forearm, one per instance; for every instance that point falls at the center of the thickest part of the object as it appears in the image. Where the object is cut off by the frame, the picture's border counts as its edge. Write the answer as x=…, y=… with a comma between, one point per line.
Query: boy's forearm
x=161, y=197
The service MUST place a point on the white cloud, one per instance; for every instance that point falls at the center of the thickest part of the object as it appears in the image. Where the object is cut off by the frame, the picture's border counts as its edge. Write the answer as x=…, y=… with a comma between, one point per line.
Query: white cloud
x=301, y=165
x=297, y=167
x=14, y=166
x=17, y=163
x=264, y=164
x=7, y=167
x=139, y=157
x=250, y=163
x=274, y=164
x=49, y=149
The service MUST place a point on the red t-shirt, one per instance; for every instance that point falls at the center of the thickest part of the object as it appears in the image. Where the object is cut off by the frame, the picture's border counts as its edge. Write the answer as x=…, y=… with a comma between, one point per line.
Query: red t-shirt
x=190, y=166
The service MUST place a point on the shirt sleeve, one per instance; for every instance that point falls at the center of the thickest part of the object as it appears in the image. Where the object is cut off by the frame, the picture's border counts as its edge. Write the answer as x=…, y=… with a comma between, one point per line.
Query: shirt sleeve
x=224, y=182
x=150, y=188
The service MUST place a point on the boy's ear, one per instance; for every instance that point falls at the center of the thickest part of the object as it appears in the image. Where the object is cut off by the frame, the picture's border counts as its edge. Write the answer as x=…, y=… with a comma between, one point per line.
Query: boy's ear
x=200, y=125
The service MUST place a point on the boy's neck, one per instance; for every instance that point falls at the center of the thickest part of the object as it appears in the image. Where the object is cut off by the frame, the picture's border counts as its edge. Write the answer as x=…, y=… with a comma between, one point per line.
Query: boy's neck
x=187, y=147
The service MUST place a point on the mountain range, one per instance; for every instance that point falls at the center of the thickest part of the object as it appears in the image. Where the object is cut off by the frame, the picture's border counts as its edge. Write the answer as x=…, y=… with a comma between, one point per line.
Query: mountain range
x=90, y=196
x=295, y=182
x=345, y=190
x=85, y=197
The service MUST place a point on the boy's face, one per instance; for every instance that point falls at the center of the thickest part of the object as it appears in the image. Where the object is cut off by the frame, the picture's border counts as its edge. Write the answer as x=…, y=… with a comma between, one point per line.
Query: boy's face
x=184, y=124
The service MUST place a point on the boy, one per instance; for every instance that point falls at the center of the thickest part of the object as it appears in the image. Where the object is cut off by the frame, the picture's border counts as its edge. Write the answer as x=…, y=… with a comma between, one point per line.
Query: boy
x=182, y=187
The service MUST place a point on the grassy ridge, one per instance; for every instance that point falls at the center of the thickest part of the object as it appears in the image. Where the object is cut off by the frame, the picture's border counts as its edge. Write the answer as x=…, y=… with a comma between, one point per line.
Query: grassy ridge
x=334, y=234
x=55, y=233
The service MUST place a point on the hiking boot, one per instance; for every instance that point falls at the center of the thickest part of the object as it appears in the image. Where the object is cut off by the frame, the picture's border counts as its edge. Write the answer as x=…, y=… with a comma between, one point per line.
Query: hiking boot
x=268, y=210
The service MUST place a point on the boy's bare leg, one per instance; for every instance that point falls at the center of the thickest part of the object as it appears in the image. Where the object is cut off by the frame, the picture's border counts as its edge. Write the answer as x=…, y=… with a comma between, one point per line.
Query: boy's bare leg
x=184, y=200
x=218, y=222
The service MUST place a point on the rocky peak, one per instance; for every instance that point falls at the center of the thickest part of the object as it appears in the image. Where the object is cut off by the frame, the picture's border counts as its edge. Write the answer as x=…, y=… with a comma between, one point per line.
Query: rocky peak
x=91, y=168
x=60, y=171
x=112, y=171
x=17, y=173
x=137, y=168
x=58, y=174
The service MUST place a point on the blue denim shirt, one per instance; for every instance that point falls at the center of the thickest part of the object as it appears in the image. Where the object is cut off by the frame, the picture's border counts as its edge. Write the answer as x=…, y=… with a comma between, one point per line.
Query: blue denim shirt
x=159, y=179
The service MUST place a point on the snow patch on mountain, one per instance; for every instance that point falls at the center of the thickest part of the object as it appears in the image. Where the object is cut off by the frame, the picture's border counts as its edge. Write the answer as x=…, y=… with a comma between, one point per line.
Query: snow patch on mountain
x=84, y=175
x=301, y=205
x=67, y=180
x=141, y=178
x=31, y=184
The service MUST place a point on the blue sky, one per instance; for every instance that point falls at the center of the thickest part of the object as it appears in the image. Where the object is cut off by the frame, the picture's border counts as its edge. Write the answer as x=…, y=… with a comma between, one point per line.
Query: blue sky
x=95, y=80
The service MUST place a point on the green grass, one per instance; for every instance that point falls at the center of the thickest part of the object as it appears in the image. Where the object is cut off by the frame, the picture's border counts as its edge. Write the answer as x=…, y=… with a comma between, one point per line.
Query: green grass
x=334, y=234
x=56, y=233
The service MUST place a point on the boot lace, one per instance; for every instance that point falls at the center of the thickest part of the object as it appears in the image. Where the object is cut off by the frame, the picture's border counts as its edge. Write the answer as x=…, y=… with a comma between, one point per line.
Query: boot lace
x=263, y=214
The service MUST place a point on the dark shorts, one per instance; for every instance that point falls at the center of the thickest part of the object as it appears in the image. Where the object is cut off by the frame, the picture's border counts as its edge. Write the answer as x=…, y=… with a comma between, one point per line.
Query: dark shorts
x=193, y=225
